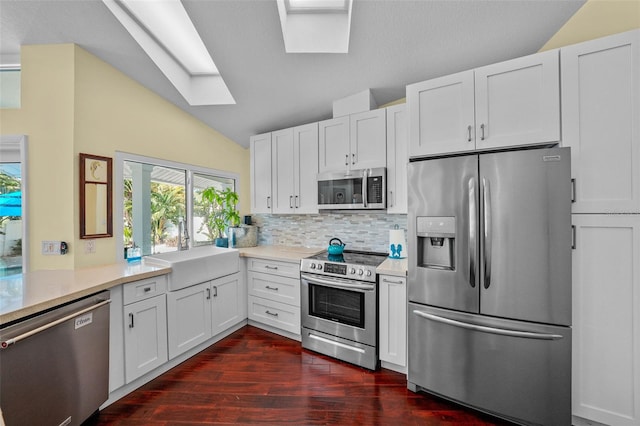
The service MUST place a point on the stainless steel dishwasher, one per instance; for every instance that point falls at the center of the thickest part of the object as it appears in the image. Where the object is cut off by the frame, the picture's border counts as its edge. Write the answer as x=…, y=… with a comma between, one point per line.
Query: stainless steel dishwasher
x=54, y=367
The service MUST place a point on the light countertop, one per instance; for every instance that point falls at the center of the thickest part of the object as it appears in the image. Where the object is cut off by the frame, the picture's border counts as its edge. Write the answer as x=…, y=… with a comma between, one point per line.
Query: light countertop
x=284, y=253
x=395, y=267
x=32, y=292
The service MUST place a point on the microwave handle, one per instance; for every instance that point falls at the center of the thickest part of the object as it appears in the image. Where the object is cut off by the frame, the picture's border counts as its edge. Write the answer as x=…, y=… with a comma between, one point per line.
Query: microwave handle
x=365, y=184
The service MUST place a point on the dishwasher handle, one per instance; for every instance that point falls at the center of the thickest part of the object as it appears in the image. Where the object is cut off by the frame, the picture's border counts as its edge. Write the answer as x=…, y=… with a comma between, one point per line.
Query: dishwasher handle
x=6, y=343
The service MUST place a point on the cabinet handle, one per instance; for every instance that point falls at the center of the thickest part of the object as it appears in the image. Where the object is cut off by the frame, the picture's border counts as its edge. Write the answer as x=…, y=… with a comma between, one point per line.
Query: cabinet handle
x=573, y=237
x=392, y=281
x=271, y=267
x=469, y=132
x=130, y=320
x=296, y=204
x=268, y=202
x=482, y=131
x=215, y=291
x=573, y=190
x=208, y=293
x=353, y=158
x=290, y=201
x=271, y=313
x=390, y=198
x=346, y=159
x=272, y=288
x=147, y=289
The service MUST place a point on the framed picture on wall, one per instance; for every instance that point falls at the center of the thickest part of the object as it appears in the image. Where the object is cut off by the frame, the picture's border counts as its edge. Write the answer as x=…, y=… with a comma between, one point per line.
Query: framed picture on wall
x=96, y=215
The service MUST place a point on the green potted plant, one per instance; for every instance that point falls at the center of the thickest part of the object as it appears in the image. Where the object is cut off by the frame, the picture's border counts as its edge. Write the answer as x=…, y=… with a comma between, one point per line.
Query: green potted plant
x=220, y=206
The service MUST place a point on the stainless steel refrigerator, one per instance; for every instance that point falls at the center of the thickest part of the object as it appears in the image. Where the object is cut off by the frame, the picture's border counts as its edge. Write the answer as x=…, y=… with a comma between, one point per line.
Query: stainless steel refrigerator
x=489, y=282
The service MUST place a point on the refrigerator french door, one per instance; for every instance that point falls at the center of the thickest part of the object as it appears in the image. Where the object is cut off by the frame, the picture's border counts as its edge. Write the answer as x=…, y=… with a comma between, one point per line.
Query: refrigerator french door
x=489, y=282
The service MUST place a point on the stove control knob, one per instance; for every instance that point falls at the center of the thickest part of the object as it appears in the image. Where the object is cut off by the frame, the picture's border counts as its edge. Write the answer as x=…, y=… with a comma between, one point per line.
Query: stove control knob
x=360, y=272
x=368, y=273
x=319, y=266
x=313, y=266
x=352, y=271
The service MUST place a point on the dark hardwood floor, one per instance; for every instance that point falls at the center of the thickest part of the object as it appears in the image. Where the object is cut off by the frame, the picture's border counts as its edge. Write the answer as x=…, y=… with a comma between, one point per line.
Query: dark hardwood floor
x=254, y=376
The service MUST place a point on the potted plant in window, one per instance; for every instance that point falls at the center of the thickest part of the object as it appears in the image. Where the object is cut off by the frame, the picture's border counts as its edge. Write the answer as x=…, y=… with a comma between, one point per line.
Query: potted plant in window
x=220, y=206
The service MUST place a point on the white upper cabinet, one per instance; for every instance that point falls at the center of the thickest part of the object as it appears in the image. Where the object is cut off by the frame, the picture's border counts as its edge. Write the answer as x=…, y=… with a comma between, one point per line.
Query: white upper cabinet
x=357, y=141
x=601, y=122
x=441, y=114
x=260, y=148
x=282, y=160
x=511, y=103
x=284, y=165
x=397, y=158
x=305, y=168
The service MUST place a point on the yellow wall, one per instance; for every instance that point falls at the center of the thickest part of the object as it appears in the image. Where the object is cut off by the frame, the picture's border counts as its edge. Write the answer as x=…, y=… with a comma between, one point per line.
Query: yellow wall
x=103, y=111
x=595, y=19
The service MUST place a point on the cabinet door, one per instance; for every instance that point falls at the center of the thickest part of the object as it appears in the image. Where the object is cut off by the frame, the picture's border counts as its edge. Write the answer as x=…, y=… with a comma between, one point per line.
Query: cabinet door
x=397, y=158
x=368, y=139
x=441, y=115
x=305, y=168
x=518, y=101
x=606, y=319
x=260, y=147
x=189, y=318
x=601, y=124
x=228, y=301
x=282, y=166
x=393, y=320
x=145, y=336
x=333, y=144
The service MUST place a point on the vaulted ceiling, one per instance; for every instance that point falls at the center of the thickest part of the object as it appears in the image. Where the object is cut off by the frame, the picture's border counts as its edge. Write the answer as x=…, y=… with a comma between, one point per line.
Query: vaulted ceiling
x=393, y=43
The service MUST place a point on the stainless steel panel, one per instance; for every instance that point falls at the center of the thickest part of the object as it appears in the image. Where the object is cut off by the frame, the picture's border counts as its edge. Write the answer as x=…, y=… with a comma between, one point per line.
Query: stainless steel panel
x=526, y=235
x=445, y=188
x=516, y=370
x=58, y=375
x=367, y=335
x=347, y=350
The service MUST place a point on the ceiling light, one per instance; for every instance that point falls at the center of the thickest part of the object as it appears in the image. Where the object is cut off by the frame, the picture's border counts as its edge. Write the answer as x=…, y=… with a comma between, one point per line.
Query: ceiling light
x=315, y=26
x=164, y=31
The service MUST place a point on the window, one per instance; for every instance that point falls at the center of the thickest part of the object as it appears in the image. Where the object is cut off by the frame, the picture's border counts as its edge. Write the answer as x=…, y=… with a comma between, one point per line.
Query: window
x=161, y=203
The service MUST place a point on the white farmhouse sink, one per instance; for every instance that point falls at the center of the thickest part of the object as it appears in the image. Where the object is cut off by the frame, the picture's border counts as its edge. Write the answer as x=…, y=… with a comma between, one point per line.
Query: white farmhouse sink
x=197, y=265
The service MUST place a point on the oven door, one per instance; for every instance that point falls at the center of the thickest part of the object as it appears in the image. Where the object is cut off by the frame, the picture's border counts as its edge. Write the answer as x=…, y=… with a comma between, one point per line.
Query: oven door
x=340, y=307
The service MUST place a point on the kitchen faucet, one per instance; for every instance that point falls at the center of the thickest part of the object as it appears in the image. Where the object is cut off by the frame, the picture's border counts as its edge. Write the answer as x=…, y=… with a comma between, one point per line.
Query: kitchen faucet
x=183, y=234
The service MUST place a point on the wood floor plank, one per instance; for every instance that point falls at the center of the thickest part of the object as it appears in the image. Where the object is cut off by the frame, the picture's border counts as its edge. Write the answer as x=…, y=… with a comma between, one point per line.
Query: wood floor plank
x=257, y=377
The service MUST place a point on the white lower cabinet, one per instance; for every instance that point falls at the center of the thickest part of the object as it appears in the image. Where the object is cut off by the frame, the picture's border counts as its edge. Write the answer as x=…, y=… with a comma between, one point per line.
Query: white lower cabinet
x=145, y=326
x=203, y=310
x=274, y=294
x=393, y=322
x=606, y=319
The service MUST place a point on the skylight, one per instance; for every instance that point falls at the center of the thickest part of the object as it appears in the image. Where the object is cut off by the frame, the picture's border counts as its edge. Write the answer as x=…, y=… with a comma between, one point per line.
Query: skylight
x=164, y=31
x=315, y=26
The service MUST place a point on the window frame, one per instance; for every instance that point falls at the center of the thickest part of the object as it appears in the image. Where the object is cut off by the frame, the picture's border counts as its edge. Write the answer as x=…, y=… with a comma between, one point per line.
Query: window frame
x=121, y=157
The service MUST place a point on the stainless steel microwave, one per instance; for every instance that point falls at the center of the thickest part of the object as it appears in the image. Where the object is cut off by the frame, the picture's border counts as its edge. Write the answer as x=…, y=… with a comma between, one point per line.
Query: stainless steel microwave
x=355, y=189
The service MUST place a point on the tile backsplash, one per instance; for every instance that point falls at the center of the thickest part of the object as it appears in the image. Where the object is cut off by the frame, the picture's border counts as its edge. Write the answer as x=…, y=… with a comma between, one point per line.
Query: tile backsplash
x=359, y=231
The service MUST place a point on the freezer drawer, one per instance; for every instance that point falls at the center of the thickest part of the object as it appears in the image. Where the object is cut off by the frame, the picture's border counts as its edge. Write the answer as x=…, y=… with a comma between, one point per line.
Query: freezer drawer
x=512, y=369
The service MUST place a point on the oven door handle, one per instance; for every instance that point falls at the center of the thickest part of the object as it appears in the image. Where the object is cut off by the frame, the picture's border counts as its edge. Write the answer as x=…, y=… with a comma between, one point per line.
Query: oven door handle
x=336, y=284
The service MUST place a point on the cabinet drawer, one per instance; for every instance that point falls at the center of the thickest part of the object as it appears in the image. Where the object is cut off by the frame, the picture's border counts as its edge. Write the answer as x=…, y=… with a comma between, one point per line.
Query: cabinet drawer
x=285, y=269
x=144, y=289
x=275, y=314
x=273, y=287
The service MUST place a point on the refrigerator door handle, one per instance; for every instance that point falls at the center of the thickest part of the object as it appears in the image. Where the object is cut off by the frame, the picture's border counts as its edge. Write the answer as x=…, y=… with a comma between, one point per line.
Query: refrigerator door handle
x=485, y=329
x=486, y=242
x=473, y=226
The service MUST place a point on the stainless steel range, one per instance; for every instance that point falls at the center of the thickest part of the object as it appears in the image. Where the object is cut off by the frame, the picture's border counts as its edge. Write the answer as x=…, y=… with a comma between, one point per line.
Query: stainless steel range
x=339, y=298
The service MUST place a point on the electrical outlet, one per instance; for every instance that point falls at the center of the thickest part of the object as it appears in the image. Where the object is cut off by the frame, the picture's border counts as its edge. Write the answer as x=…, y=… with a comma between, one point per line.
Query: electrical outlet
x=51, y=247
x=89, y=246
